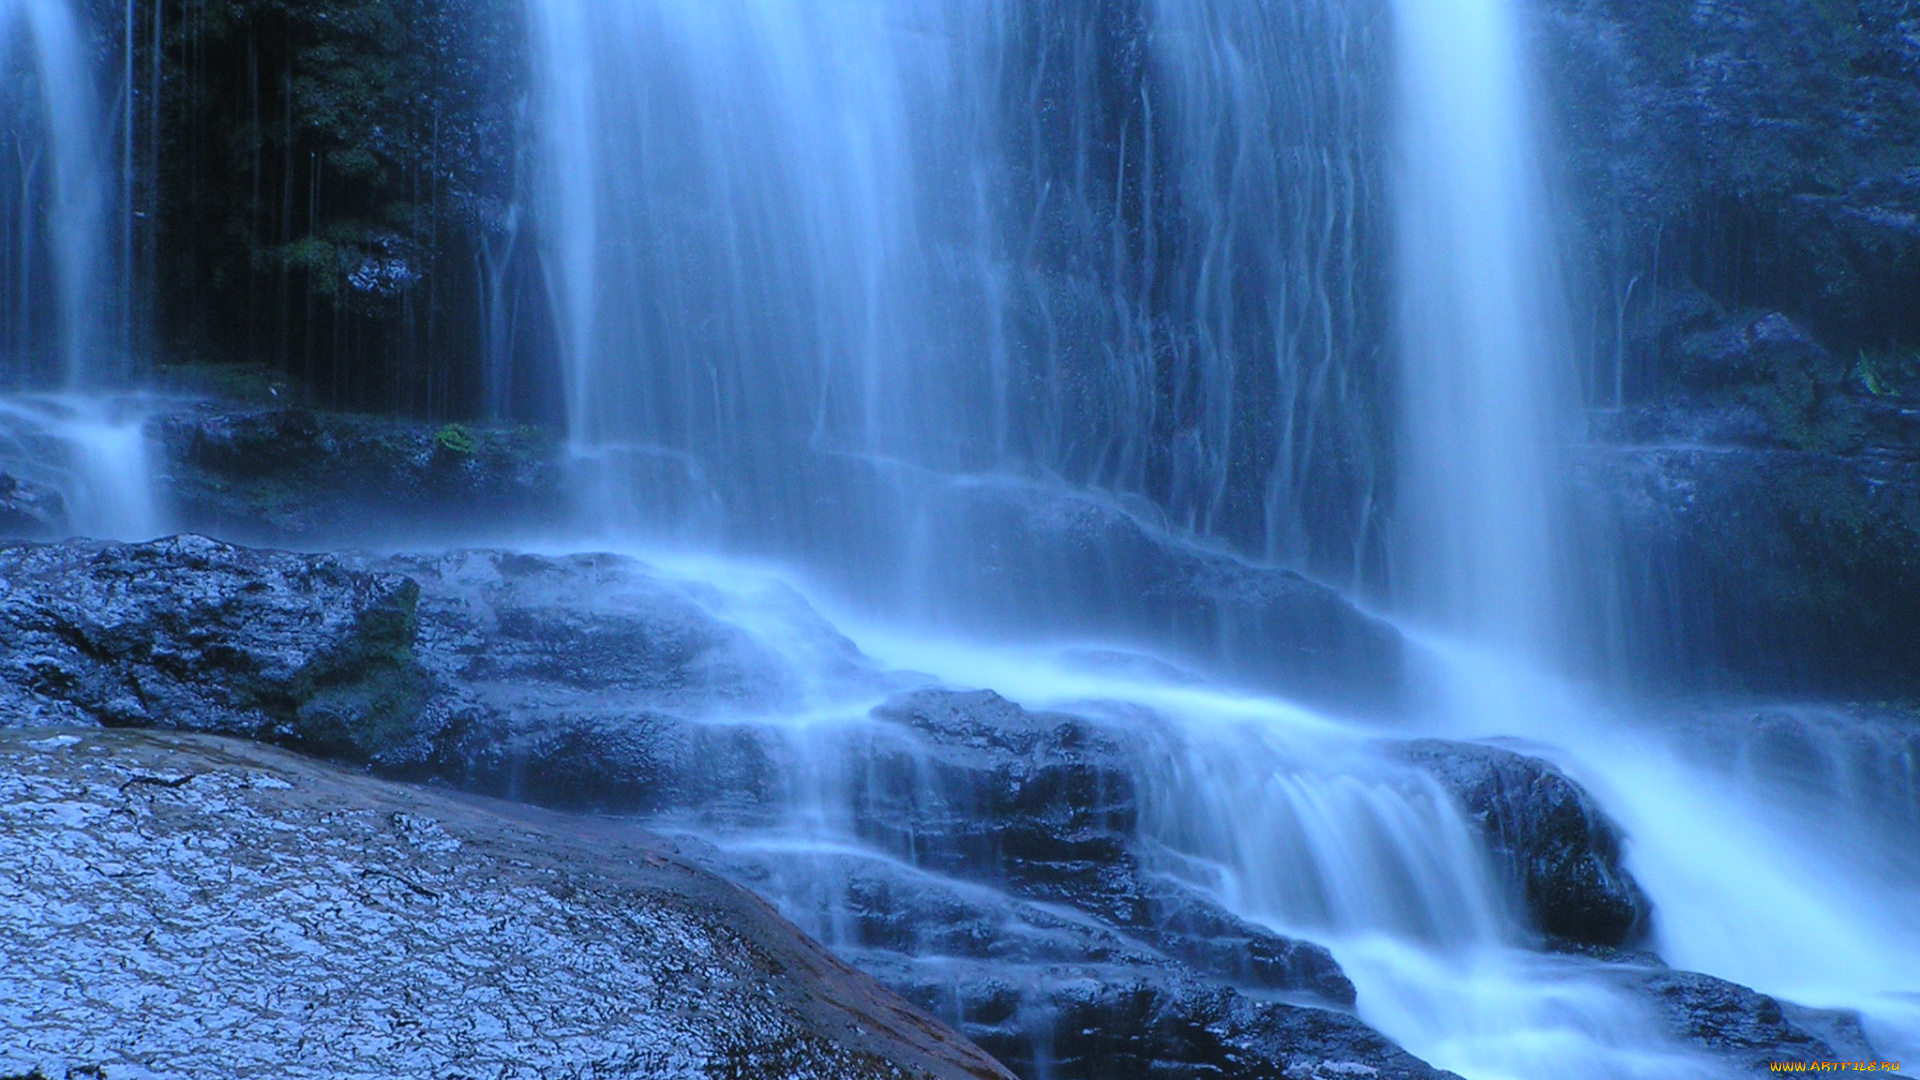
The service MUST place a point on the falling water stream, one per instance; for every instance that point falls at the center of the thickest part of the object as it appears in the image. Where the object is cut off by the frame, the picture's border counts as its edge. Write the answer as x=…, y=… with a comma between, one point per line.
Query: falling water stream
x=819, y=267
x=68, y=421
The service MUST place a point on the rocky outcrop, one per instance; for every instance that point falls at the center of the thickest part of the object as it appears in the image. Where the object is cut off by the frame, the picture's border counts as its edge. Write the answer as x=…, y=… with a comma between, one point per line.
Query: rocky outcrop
x=185, y=905
x=1744, y=1027
x=190, y=632
x=983, y=859
x=1560, y=853
x=295, y=476
x=594, y=681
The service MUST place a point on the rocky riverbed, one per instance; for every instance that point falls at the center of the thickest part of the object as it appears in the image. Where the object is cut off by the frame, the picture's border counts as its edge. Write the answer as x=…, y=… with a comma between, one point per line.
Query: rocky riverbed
x=1002, y=873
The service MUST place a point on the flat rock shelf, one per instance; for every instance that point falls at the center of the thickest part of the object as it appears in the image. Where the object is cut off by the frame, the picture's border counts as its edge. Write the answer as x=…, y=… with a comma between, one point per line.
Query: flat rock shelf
x=186, y=905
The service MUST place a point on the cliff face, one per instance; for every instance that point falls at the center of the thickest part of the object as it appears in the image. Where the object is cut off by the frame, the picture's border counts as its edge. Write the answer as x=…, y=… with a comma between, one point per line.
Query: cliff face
x=1762, y=152
x=341, y=191
x=1744, y=192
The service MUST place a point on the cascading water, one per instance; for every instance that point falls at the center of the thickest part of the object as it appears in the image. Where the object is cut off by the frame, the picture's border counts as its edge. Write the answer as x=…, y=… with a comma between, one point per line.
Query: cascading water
x=839, y=284
x=56, y=228
x=62, y=303
x=814, y=266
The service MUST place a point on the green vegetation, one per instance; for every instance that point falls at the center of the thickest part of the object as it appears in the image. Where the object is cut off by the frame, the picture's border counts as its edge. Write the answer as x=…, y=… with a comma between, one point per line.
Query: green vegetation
x=455, y=439
x=1885, y=373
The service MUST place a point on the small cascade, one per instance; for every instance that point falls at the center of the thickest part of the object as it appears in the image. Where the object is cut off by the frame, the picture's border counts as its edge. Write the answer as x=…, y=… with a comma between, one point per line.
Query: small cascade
x=73, y=431
x=93, y=453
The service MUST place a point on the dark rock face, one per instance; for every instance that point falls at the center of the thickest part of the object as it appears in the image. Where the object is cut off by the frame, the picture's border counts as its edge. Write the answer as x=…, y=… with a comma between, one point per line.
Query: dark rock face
x=1762, y=558
x=347, y=210
x=1560, y=852
x=190, y=632
x=1744, y=175
x=295, y=476
x=30, y=511
x=1764, y=149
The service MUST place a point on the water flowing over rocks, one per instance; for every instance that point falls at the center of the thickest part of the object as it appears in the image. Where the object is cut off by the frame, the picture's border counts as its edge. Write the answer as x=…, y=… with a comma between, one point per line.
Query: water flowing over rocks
x=1112, y=573
x=1744, y=1027
x=1559, y=851
x=1001, y=882
x=185, y=905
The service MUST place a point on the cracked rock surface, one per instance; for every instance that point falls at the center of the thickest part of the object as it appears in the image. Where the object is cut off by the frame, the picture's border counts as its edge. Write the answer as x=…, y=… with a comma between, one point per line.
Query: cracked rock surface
x=184, y=905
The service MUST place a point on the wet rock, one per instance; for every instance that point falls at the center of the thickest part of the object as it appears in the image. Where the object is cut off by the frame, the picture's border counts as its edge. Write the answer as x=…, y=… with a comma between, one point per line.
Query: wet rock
x=1050, y=990
x=1046, y=805
x=191, y=632
x=1088, y=1022
x=595, y=681
x=405, y=933
x=1764, y=568
x=1555, y=847
x=1114, y=575
x=1744, y=1027
x=284, y=475
x=30, y=511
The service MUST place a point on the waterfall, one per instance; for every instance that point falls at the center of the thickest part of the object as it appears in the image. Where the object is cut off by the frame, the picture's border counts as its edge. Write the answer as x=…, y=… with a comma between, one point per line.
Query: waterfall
x=854, y=287
x=811, y=263
x=77, y=432
x=1484, y=361
x=57, y=232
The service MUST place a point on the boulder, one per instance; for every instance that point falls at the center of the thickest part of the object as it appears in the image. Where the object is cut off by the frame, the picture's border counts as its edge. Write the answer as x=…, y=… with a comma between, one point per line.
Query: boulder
x=190, y=632
x=1559, y=853
x=343, y=926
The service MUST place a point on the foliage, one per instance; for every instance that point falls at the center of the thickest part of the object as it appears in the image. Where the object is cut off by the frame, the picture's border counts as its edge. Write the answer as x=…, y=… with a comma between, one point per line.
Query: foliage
x=325, y=168
x=455, y=439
